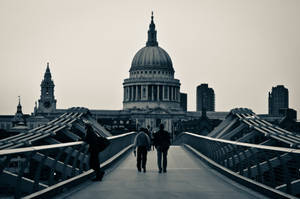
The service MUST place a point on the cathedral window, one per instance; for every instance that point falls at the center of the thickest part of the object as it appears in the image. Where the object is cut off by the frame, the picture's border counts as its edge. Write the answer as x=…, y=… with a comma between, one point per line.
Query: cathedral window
x=145, y=72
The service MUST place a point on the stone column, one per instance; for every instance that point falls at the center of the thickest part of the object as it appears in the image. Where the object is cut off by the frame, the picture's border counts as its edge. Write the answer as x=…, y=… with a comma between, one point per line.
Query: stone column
x=129, y=93
x=171, y=88
x=133, y=93
x=136, y=92
x=163, y=92
x=168, y=93
x=148, y=96
x=157, y=92
x=178, y=94
x=125, y=96
x=152, y=93
x=132, y=98
x=139, y=92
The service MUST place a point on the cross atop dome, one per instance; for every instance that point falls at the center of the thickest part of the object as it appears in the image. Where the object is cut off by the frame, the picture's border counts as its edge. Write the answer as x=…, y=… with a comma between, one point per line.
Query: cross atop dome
x=151, y=16
x=152, y=41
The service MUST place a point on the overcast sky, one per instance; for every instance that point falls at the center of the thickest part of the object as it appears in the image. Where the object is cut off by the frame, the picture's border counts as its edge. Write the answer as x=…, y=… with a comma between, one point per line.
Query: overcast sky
x=241, y=48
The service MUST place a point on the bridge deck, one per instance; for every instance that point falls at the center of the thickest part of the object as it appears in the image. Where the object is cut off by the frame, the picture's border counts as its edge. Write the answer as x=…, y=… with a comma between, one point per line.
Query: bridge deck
x=187, y=177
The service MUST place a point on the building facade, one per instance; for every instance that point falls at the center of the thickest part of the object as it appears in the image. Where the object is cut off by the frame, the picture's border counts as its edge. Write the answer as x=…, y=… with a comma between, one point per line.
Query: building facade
x=183, y=101
x=278, y=99
x=205, y=98
x=151, y=83
x=151, y=89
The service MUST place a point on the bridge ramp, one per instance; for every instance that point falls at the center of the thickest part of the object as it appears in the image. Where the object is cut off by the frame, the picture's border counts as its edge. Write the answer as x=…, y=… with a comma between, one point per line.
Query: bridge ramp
x=187, y=177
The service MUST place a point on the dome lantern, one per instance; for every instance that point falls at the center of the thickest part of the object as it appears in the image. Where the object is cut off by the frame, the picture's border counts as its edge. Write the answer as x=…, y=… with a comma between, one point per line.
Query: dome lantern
x=152, y=41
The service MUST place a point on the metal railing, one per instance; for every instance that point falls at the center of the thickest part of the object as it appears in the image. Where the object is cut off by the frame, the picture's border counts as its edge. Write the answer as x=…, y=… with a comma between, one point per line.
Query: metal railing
x=276, y=167
x=27, y=170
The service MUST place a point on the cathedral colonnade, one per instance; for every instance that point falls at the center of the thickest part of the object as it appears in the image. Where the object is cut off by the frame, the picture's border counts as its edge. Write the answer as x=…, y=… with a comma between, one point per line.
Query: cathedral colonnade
x=151, y=92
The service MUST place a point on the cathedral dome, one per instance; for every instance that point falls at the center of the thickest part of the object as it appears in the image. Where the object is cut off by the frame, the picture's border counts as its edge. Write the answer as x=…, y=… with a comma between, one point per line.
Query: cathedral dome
x=152, y=56
x=151, y=83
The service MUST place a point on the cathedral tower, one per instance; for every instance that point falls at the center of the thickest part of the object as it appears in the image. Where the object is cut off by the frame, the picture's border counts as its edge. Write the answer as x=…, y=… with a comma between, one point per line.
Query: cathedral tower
x=47, y=102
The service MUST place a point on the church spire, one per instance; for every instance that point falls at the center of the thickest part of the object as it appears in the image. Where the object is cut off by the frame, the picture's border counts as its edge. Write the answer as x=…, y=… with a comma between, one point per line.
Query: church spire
x=152, y=41
x=19, y=107
x=47, y=101
x=47, y=73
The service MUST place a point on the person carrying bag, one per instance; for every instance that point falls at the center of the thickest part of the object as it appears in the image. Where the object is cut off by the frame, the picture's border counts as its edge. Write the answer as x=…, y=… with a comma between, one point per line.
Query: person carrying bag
x=97, y=144
x=143, y=144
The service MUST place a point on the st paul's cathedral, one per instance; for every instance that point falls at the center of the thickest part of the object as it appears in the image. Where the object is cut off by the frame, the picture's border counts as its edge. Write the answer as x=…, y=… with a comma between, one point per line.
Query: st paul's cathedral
x=151, y=96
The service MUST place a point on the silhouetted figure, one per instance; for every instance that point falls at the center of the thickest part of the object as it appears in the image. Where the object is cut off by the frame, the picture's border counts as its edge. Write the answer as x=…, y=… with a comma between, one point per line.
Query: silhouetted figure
x=162, y=143
x=91, y=139
x=142, y=142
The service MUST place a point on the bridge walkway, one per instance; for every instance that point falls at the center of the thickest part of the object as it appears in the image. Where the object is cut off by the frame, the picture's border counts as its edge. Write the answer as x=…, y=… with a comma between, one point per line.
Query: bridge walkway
x=187, y=177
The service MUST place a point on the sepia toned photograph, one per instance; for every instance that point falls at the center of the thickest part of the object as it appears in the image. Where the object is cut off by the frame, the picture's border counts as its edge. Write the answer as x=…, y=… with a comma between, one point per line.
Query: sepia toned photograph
x=149, y=99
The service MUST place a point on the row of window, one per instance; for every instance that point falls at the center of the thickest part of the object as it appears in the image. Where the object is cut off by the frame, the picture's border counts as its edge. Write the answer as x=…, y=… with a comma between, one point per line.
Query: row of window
x=150, y=72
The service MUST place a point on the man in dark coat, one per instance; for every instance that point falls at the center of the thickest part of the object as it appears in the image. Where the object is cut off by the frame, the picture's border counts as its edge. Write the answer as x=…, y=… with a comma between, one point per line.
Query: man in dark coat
x=91, y=138
x=162, y=142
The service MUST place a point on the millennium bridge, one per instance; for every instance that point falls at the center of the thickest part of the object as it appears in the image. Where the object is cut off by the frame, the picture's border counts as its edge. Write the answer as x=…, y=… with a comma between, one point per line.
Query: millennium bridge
x=244, y=157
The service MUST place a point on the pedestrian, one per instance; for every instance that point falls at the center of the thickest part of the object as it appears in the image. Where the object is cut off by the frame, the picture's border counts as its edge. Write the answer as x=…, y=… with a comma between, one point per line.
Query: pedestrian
x=142, y=143
x=91, y=139
x=162, y=143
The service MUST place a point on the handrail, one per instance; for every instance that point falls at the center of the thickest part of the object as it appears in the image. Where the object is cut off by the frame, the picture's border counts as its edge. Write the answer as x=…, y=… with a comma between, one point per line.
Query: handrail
x=121, y=135
x=275, y=168
x=53, y=146
x=38, y=148
x=37, y=167
x=281, y=149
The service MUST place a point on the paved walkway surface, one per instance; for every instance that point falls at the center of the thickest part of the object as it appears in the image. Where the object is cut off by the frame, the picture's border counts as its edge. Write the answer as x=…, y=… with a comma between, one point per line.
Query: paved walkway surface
x=187, y=177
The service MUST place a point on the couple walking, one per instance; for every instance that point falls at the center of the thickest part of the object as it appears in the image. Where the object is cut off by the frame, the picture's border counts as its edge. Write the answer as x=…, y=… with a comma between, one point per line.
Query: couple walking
x=161, y=141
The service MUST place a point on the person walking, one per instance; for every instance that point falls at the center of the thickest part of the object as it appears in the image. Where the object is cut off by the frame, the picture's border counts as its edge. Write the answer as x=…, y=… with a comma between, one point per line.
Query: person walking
x=162, y=143
x=91, y=139
x=142, y=143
